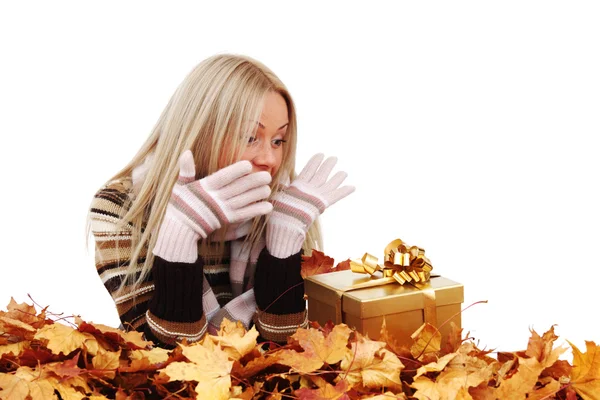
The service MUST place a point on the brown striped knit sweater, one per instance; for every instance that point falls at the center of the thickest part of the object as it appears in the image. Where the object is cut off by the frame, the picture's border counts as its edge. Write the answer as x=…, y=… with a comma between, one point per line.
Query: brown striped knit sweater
x=180, y=300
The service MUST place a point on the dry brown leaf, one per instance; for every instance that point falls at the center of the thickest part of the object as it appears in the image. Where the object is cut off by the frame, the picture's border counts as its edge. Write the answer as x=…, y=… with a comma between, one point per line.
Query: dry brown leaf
x=234, y=339
x=60, y=338
x=545, y=392
x=327, y=392
x=317, y=263
x=427, y=339
x=368, y=363
x=585, y=377
x=210, y=367
x=318, y=349
x=105, y=364
x=25, y=384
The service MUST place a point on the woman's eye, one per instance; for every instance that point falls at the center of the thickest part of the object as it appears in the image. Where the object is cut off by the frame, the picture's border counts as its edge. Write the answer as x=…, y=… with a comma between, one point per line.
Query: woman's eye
x=252, y=139
x=278, y=142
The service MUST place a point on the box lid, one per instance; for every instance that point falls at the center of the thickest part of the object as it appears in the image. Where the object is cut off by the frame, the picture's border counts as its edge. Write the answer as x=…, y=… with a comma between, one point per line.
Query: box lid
x=380, y=300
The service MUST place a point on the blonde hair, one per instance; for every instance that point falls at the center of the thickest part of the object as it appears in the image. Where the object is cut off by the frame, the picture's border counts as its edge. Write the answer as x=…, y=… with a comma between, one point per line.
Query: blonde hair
x=208, y=113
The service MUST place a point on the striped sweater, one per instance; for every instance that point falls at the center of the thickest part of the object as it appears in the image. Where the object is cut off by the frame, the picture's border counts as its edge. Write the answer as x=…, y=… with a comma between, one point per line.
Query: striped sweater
x=181, y=300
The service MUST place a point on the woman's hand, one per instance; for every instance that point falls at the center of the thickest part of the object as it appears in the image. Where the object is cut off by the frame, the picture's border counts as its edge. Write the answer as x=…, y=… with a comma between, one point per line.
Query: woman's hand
x=199, y=207
x=297, y=206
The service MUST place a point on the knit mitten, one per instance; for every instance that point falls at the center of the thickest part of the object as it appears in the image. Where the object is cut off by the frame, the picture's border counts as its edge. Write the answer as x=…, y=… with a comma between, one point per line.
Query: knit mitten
x=297, y=206
x=199, y=207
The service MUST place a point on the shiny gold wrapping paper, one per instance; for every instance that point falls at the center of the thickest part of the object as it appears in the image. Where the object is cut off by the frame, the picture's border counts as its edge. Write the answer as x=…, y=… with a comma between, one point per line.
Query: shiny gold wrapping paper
x=404, y=307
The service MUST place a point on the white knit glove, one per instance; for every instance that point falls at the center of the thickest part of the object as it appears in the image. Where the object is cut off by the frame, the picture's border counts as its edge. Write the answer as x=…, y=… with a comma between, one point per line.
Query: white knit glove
x=199, y=207
x=296, y=207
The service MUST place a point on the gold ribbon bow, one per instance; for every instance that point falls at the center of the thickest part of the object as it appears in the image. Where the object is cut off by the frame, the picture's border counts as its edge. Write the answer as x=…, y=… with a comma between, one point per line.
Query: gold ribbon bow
x=401, y=264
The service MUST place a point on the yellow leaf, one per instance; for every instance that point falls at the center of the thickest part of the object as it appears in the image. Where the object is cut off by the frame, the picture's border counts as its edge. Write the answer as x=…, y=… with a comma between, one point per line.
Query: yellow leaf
x=154, y=356
x=544, y=393
x=209, y=366
x=436, y=366
x=64, y=339
x=427, y=340
x=521, y=382
x=14, y=348
x=234, y=339
x=106, y=363
x=15, y=323
x=369, y=363
x=318, y=349
x=585, y=375
x=25, y=383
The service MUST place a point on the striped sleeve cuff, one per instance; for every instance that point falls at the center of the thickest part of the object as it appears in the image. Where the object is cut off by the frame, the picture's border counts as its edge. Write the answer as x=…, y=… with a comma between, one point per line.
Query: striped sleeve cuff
x=277, y=328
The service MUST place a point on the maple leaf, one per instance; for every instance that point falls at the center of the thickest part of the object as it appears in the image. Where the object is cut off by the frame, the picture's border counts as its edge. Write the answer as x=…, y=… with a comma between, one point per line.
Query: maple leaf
x=427, y=339
x=449, y=383
x=134, y=339
x=540, y=348
x=585, y=376
x=209, y=366
x=106, y=363
x=14, y=348
x=369, y=363
x=558, y=370
x=67, y=368
x=25, y=384
x=234, y=339
x=326, y=392
x=317, y=263
x=545, y=392
x=60, y=338
x=344, y=265
x=318, y=349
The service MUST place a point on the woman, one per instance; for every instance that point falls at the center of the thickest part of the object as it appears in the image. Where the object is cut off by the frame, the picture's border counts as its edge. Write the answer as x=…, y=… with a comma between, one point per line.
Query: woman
x=207, y=194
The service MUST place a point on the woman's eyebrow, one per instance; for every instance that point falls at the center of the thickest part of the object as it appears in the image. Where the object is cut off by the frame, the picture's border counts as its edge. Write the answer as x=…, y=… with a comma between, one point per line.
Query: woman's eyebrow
x=281, y=127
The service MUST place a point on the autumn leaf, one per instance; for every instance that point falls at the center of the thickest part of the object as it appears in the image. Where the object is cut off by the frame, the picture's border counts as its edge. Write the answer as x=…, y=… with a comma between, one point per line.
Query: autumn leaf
x=427, y=339
x=544, y=392
x=317, y=263
x=14, y=348
x=585, y=377
x=60, y=338
x=133, y=339
x=209, y=366
x=25, y=384
x=318, y=349
x=25, y=313
x=328, y=391
x=106, y=363
x=368, y=363
x=234, y=339
x=67, y=368
x=541, y=347
x=342, y=266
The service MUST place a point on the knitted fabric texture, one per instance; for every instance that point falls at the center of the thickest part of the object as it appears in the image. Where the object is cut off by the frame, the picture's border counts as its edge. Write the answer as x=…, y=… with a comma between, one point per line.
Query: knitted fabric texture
x=170, y=310
x=199, y=207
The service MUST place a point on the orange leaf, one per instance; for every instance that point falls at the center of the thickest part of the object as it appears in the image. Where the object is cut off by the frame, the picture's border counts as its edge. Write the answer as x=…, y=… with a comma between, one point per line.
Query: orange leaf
x=427, y=340
x=327, y=392
x=60, y=338
x=318, y=349
x=234, y=339
x=585, y=377
x=370, y=364
x=317, y=263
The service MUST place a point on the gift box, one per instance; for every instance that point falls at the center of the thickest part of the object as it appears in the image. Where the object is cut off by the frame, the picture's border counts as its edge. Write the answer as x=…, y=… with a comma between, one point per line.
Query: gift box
x=333, y=297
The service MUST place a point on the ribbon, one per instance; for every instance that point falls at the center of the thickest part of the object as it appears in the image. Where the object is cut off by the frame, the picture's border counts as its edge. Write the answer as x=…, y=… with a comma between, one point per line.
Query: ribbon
x=402, y=264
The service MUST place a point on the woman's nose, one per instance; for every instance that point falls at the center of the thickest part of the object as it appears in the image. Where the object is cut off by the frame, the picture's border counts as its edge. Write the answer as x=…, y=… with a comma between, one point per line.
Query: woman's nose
x=265, y=157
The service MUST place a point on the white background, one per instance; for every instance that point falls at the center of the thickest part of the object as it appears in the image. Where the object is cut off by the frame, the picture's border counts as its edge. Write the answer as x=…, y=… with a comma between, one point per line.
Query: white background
x=468, y=128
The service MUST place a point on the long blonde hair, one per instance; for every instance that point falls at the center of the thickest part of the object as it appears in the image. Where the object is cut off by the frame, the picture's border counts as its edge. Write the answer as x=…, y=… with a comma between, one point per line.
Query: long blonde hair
x=208, y=114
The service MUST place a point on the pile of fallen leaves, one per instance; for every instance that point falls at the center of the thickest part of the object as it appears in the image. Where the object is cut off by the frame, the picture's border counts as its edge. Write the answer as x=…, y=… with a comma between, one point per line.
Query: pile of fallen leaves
x=46, y=357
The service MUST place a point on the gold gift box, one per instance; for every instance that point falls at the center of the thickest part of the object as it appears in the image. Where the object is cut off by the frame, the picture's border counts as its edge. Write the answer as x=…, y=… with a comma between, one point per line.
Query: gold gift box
x=403, y=306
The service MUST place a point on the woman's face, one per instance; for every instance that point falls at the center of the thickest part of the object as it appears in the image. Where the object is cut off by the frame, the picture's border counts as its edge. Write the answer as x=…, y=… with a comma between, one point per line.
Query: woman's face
x=265, y=149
